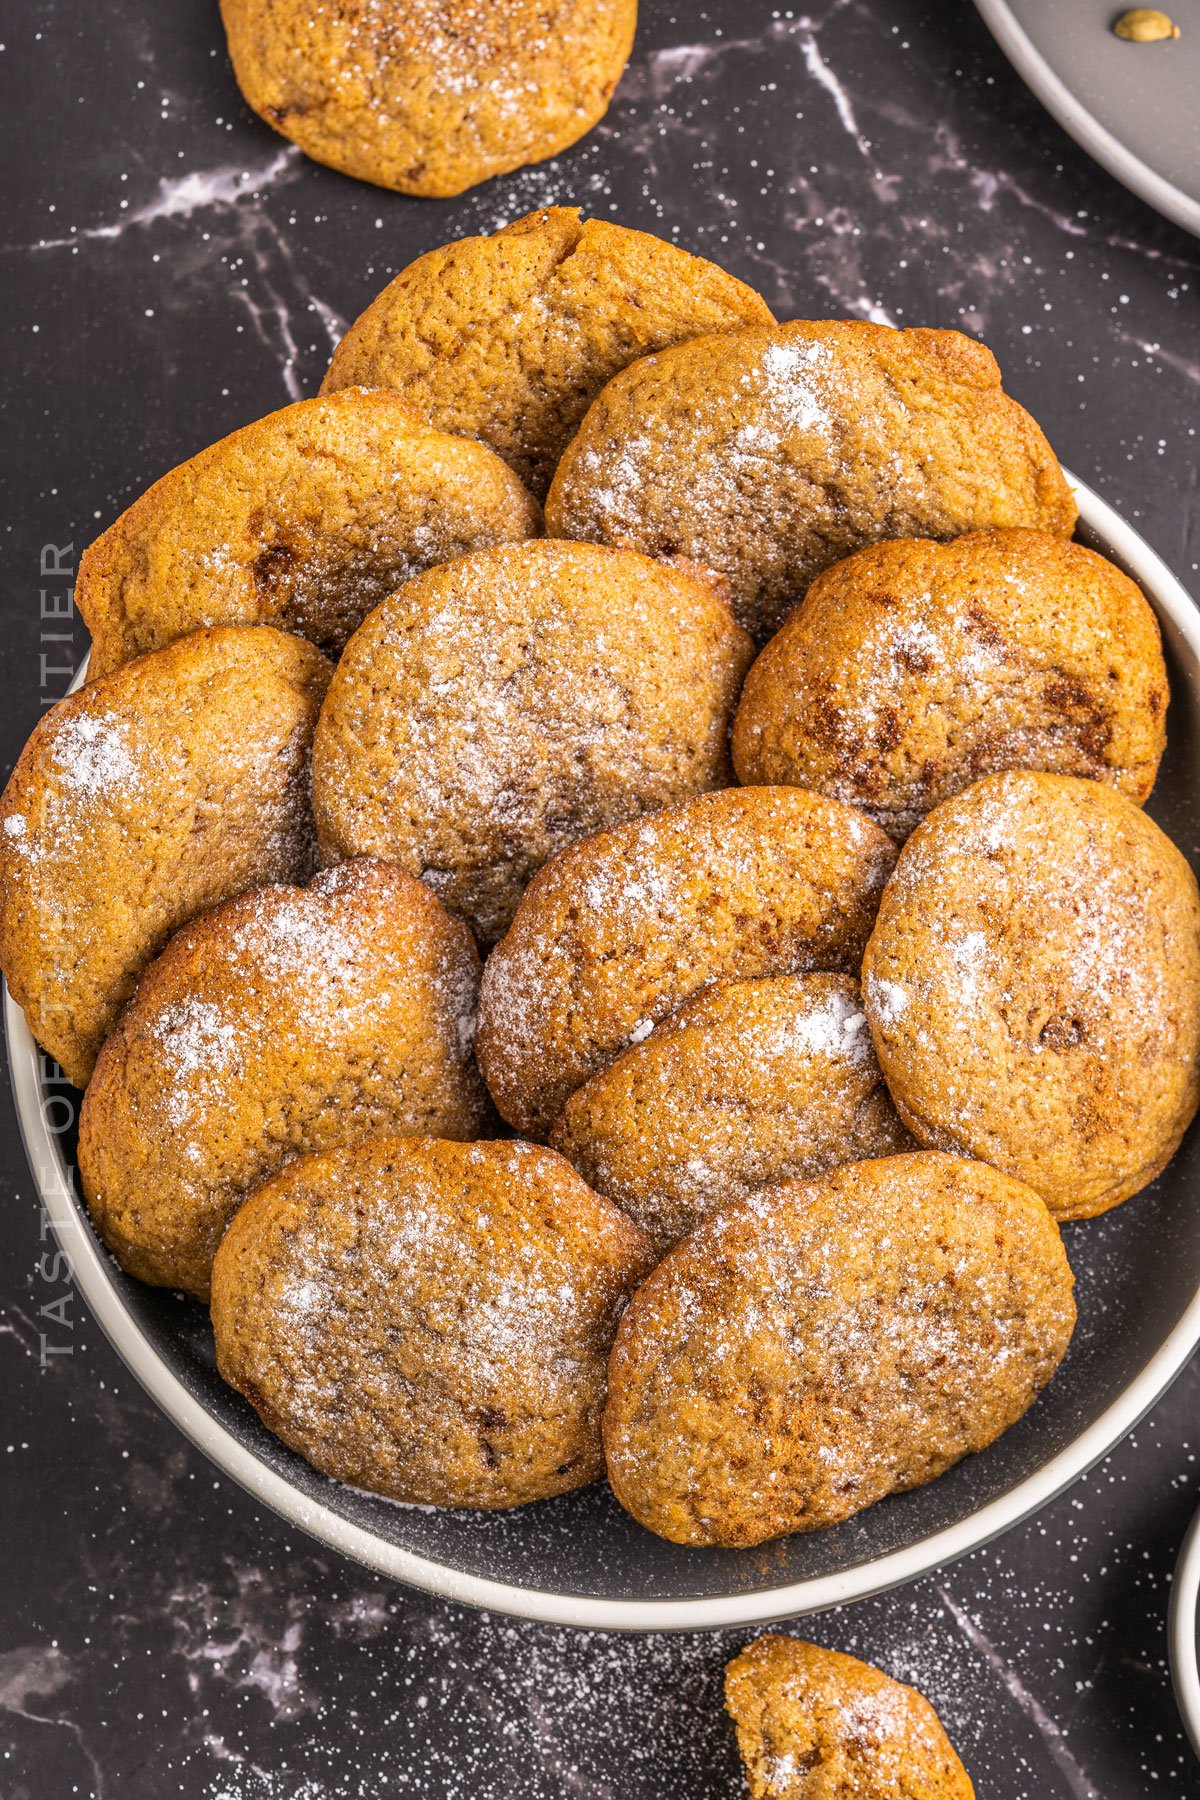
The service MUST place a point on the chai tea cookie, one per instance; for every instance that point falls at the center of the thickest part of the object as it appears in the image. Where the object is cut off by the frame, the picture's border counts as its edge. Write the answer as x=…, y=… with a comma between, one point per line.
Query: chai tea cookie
x=829, y=1342
x=151, y=794
x=769, y=453
x=429, y=96
x=508, y=338
x=305, y=520
x=503, y=705
x=427, y=1320
x=1033, y=987
x=750, y=1083
x=621, y=929
x=813, y=1724
x=286, y=1021
x=912, y=668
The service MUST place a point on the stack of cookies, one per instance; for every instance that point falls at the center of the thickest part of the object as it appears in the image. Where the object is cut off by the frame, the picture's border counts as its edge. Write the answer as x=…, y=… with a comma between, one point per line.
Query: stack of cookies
x=597, y=889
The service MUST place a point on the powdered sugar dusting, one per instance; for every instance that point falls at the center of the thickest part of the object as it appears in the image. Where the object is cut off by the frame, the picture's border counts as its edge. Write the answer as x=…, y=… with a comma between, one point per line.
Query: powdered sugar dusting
x=787, y=386
x=871, y=1730
x=510, y=703
x=482, y=51
x=283, y=1022
x=979, y=885
x=93, y=755
x=889, y=998
x=780, y=397
x=197, y=1044
x=835, y=1028
x=304, y=944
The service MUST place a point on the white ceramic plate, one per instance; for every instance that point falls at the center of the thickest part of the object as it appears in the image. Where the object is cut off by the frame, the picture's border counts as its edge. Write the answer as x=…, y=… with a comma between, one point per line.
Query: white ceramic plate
x=580, y=1560
x=1134, y=107
x=1184, y=1632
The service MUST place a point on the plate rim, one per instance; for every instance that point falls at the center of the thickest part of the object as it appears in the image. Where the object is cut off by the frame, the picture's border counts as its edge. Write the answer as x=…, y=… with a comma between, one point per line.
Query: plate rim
x=1183, y=1629
x=92, y=1275
x=1082, y=124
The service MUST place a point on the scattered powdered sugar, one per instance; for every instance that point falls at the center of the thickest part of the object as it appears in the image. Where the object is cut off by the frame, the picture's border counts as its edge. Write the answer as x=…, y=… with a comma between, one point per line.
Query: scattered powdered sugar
x=887, y=1719
x=300, y=940
x=888, y=998
x=287, y=992
x=217, y=559
x=780, y=1769
x=93, y=756
x=612, y=478
x=632, y=924
x=519, y=1323
x=198, y=1044
x=636, y=891
x=888, y=1340
x=480, y=1292
x=484, y=52
x=1026, y=863
x=835, y=1028
x=914, y=642
x=879, y=1725
x=793, y=400
x=969, y=955
x=909, y=675
x=304, y=1300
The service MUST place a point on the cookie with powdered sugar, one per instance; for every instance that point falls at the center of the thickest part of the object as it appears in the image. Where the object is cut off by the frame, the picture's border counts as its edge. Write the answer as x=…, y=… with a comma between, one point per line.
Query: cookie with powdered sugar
x=813, y=1724
x=305, y=520
x=429, y=96
x=826, y=1343
x=913, y=668
x=506, y=704
x=1033, y=987
x=286, y=1021
x=151, y=794
x=430, y=1321
x=768, y=454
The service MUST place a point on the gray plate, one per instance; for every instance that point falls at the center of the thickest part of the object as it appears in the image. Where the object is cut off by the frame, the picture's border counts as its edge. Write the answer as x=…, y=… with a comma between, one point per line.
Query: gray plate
x=580, y=1560
x=1134, y=107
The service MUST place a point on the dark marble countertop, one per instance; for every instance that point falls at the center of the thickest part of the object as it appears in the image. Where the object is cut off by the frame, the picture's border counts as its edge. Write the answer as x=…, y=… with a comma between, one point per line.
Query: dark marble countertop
x=171, y=269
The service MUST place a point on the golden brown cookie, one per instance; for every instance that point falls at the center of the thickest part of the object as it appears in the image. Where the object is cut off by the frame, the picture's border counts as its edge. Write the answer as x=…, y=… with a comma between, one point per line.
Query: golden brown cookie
x=770, y=453
x=286, y=1021
x=429, y=1320
x=508, y=338
x=621, y=929
x=148, y=796
x=748, y=1084
x=304, y=520
x=829, y=1342
x=912, y=668
x=429, y=96
x=506, y=704
x=813, y=1724
x=1033, y=987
